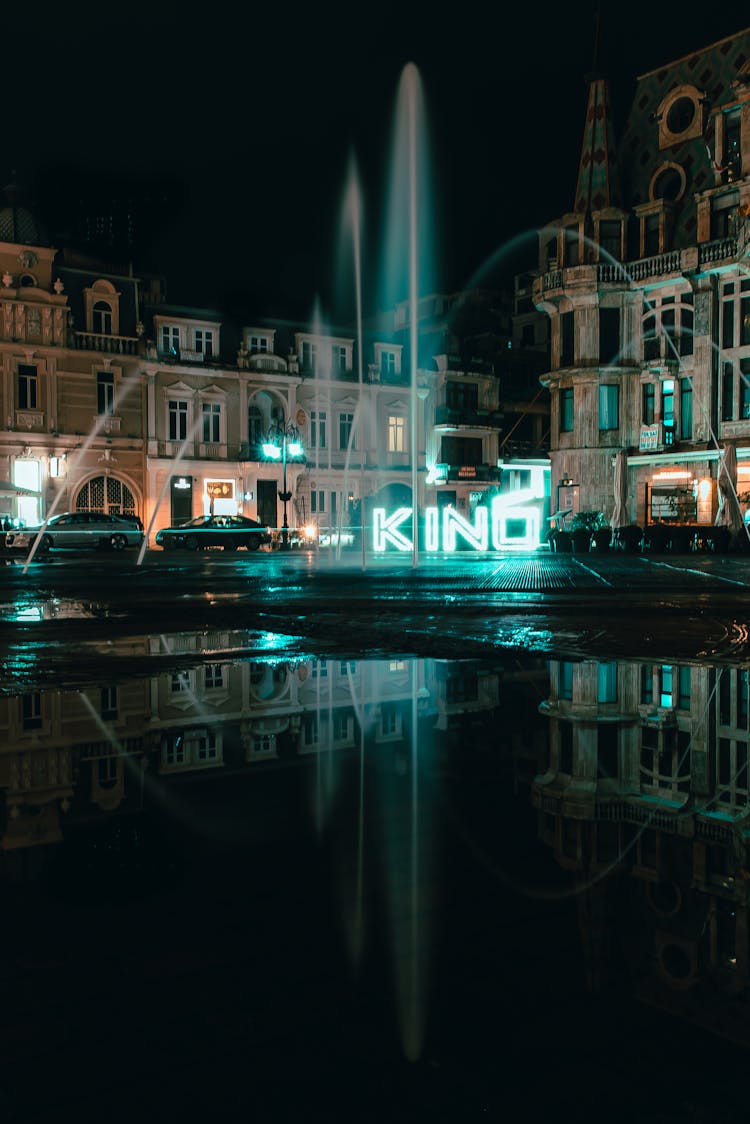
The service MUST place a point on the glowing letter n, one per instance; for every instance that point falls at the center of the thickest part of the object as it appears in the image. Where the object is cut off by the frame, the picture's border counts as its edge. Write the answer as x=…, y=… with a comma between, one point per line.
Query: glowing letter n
x=474, y=534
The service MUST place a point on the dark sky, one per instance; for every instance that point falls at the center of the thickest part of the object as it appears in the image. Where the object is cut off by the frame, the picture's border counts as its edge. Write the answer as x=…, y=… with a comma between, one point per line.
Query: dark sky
x=244, y=118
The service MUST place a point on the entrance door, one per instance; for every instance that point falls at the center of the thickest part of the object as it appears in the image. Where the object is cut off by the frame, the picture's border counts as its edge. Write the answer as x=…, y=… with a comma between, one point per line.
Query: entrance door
x=181, y=499
x=267, y=506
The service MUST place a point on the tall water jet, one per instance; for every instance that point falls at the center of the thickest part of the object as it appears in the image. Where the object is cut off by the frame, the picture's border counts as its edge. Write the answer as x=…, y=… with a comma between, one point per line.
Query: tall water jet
x=408, y=224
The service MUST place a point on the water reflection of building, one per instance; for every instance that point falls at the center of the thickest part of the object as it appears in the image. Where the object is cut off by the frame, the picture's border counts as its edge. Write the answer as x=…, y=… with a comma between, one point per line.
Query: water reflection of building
x=72, y=756
x=645, y=801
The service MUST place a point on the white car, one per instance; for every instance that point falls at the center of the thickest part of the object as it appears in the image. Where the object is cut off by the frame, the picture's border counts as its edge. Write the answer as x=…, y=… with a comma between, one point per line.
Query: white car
x=79, y=529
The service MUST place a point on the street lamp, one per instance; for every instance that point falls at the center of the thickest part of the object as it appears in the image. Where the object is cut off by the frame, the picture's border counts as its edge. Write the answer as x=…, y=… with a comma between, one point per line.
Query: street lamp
x=283, y=441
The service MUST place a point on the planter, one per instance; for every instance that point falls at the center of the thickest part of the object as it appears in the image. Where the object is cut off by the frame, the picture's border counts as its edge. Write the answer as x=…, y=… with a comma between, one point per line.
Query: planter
x=560, y=542
x=656, y=539
x=628, y=538
x=601, y=538
x=581, y=541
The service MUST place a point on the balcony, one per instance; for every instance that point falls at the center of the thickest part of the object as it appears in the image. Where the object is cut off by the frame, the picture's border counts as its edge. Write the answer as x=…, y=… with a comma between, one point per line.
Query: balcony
x=212, y=450
x=114, y=345
x=468, y=416
x=29, y=419
x=485, y=473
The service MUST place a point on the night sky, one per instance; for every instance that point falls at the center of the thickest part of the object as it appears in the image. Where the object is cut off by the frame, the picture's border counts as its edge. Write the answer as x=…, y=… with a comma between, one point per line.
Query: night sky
x=237, y=125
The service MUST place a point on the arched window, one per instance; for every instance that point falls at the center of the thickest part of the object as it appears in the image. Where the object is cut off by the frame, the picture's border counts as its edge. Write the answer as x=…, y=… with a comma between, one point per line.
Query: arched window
x=106, y=494
x=101, y=319
x=255, y=428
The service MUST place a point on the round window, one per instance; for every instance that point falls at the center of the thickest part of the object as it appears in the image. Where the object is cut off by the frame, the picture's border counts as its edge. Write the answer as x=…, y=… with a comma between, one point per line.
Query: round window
x=680, y=115
x=669, y=184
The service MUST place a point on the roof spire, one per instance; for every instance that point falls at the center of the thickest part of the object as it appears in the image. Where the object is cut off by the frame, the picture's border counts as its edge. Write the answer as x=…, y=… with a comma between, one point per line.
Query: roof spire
x=597, y=171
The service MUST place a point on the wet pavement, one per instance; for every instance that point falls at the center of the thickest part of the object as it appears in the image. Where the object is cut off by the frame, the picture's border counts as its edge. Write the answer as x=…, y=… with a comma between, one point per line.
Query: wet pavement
x=685, y=607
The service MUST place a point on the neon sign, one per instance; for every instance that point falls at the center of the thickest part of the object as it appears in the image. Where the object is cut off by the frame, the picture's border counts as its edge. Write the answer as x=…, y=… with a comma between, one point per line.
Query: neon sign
x=508, y=521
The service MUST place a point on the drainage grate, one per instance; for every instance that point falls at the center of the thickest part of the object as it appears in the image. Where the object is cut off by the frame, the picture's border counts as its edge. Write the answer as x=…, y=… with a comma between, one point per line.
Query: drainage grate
x=539, y=574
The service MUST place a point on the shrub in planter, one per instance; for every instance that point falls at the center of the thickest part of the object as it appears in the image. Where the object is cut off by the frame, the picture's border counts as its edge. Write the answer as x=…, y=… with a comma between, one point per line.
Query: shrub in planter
x=681, y=539
x=560, y=541
x=628, y=538
x=656, y=538
x=582, y=526
x=601, y=538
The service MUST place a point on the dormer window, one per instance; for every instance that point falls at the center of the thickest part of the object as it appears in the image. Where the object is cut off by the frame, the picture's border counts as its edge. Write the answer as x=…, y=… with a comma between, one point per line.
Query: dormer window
x=102, y=309
x=309, y=355
x=170, y=340
x=259, y=343
x=101, y=319
x=204, y=342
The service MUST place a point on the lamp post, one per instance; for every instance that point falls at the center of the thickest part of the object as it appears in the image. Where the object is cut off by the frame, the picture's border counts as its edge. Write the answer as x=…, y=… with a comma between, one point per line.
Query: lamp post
x=283, y=441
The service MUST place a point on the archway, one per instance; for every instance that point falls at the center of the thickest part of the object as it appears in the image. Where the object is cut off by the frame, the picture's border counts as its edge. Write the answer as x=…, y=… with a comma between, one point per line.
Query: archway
x=106, y=494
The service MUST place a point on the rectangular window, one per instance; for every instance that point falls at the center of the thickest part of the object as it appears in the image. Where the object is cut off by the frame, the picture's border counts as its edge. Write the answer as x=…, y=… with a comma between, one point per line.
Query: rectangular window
x=686, y=410
x=388, y=719
x=610, y=239
x=105, y=393
x=388, y=362
x=207, y=748
x=310, y=729
x=651, y=342
x=647, y=684
x=727, y=323
x=609, y=407
x=204, y=342
x=606, y=691
x=345, y=666
x=727, y=392
x=170, y=340
x=651, y=236
x=565, y=680
x=338, y=358
x=667, y=402
x=567, y=339
x=684, y=682
x=744, y=321
x=174, y=750
x=566, y=410
x=318, y=429
x=686, y=331
x=317, y=501
x=31, y=711
x=745, y=388
x=346, y=421
x=342, y=724
x=668, y=328
x=320, y=669
x=211, y=422
x=27, y=387
x=666, y=686
x=179, y=681
x=725, y=689
x=178, y=412
x=108, y=702
x=214, y=676
x=396, y=434
x=648, y=399
x=309, y=355
x=258, y=343
x=609, y=335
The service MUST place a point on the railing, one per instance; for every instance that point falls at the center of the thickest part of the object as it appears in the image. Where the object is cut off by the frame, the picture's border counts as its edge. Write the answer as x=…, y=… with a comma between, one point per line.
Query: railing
x=658, y=264
x=95, y=341
x=717, y=251
x=474, y=417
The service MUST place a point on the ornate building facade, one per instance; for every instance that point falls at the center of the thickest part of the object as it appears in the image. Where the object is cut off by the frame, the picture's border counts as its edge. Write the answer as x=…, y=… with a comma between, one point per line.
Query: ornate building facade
x=646, y=282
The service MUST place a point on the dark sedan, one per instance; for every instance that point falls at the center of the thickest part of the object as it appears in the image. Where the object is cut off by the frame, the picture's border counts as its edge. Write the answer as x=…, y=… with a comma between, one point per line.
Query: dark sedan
x=227, y=531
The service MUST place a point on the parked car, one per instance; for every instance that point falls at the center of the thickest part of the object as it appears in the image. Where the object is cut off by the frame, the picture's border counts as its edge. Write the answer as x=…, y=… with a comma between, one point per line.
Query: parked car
x=79, y=529
x=227, y=531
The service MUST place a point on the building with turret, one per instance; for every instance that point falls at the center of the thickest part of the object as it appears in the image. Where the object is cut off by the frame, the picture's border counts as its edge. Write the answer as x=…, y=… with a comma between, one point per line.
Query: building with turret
x=646, y=283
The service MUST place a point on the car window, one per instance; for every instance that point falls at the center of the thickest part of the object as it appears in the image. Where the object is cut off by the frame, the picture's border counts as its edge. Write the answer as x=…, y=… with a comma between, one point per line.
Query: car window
x=63, y=520
x=79, y=518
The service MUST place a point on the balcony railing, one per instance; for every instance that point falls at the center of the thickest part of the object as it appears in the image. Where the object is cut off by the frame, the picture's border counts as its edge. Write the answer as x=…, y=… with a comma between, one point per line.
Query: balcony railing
x=117, y=345
x=468, y=416
x=718, y=250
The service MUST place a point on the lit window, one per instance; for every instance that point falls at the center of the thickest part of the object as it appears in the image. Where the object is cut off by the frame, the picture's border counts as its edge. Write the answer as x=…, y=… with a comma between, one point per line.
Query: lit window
x=179, y=681
x=206, y=746
x=609, y=407
x=566, y=410
x=396, y=434
x=606, y=683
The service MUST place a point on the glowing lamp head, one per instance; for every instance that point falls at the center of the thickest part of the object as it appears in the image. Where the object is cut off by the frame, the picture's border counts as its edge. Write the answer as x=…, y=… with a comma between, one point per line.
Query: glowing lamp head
x=273, y=452
x=294, y=448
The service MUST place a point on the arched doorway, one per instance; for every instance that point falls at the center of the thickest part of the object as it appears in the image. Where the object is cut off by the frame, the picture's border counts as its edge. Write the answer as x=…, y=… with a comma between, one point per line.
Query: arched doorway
x=106, y=494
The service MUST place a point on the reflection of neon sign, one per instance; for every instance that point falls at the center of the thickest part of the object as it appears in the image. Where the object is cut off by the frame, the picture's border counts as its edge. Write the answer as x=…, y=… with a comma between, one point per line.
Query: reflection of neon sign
x=504, y=523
